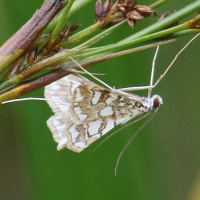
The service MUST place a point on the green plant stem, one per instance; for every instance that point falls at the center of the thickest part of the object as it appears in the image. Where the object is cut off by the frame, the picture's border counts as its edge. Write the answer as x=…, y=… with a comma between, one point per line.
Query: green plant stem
x=94, y=59
x=61, y=23
x=98, y=37
x=158, y=3
x=77, y=6
x=127, y=43
x=88, y=54
x=185, y=32
x=80, y=35
x=11, y=94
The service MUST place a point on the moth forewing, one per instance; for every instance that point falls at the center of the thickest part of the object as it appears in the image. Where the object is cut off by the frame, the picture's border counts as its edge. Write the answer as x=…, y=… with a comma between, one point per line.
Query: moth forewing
x=91, y=110
x=56, y=93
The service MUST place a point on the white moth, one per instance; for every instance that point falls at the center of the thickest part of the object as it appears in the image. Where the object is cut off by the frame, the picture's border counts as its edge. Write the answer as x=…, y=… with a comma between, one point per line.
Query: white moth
x=90, y=111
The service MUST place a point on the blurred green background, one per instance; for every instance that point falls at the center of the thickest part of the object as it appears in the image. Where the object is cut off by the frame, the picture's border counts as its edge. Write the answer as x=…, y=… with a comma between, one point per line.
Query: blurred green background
x=162, y=163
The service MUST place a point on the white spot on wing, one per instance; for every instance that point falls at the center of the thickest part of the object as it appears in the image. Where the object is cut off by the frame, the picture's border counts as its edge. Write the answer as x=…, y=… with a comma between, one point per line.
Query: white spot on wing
x=55, y=87
x=61, y=135
x=61, y=128
x=63, y=107
x=78, y=95
x=51, y=92
x=109, y=100
x=74, y=133
x=109, y=126
x=106, y=111
x=77, y=110
x=94, y=127
x=56, y=121
x=82, y=117
x=62, y=144
x=96, y=97
x=80, y=144
x=121, y=104
x=55, y=97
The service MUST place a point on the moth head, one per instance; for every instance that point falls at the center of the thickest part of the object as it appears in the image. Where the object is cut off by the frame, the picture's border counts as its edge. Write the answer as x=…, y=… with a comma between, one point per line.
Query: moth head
x=156, y=101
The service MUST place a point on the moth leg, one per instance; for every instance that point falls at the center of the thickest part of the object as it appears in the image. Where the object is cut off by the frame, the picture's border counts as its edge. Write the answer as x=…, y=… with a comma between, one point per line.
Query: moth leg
x=136, y=88
x=80, y=72
x=175, y=58
x=100, y=81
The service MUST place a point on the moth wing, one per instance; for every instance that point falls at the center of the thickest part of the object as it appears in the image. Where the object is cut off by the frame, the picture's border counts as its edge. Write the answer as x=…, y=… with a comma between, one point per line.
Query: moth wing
x=88, y=111
x=92, y=102
x=77, y=136
x=61, y=91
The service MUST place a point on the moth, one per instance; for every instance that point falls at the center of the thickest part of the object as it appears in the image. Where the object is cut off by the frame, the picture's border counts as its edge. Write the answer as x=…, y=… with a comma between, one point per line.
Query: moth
x=90, y=111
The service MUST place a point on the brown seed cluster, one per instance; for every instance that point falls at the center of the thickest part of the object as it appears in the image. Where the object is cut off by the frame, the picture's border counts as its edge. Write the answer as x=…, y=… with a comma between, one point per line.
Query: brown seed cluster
x=102, y=10
x=127, y=8
x=132, y=12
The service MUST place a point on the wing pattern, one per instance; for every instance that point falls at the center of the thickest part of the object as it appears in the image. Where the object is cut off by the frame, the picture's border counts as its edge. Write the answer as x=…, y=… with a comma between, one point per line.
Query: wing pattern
x=85, y=111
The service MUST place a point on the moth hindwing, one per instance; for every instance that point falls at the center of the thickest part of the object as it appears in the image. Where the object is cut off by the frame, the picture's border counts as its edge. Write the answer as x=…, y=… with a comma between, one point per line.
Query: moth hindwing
x=84, y=111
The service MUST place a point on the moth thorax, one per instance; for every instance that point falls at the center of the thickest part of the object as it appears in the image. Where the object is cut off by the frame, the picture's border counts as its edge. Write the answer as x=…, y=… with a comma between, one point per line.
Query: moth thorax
x=156, y=101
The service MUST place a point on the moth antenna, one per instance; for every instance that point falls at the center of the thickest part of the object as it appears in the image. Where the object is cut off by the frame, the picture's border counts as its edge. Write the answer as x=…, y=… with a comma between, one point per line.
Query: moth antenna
x=152, y=71
x=120, y=130
x=33, y=98
x=94, y=77
x=131, y=139
x=175, y=58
